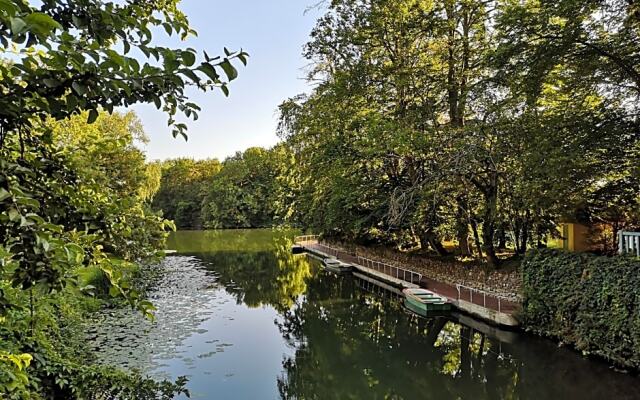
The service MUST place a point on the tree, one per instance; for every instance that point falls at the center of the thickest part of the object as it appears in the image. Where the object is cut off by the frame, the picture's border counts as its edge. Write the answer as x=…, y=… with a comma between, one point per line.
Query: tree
x=105, y=150
x=183, y=186
x=62, y=212
x=434, y=119
x=88, y=61
x=242, y=194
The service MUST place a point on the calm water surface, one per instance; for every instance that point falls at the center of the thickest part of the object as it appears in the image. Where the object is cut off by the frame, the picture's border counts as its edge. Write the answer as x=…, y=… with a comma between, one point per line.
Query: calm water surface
x=244, y=319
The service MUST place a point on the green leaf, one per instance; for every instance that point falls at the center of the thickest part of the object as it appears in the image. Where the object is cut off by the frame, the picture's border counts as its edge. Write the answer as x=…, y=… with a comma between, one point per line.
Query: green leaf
x=79, y=88
x=51, y=82
x=18, y=26
x=210, y=71
x=188, y=58
x=243, y=58
x=14, y=214
x=230, y=70
x=116, y=58
x=4, y=194
x=93, y=116
x=8, y=7
x=41, y=23
x=191, y=75
x=168, y=28
x=28, y=201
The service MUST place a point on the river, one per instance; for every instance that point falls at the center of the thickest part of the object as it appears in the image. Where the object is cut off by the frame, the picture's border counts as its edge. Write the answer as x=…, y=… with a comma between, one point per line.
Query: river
x=243, y=318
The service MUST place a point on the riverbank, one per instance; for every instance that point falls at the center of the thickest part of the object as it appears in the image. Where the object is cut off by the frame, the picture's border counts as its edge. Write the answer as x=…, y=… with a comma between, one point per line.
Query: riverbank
x=505, y=282
x=270, y=324
x=588, y=302
x=584, y=301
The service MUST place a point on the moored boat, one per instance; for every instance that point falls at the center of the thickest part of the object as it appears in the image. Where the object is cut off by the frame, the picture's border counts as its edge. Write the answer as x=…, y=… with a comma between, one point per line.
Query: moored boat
x=424, y=302
x=336, y=265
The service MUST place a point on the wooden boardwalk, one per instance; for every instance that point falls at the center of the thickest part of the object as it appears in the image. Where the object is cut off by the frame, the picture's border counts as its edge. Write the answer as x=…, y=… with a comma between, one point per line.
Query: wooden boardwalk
x=489, y=307
x=324, y=252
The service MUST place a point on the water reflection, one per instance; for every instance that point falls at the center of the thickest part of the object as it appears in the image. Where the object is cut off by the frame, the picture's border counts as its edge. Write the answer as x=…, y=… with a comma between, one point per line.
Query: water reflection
x=278, y=326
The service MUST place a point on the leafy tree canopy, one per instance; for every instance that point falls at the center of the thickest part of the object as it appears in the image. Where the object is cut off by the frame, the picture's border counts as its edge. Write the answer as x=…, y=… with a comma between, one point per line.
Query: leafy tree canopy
x=70, y=56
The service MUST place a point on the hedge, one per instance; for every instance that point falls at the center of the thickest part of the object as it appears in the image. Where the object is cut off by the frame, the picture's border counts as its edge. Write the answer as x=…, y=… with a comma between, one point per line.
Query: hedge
x=587, y=301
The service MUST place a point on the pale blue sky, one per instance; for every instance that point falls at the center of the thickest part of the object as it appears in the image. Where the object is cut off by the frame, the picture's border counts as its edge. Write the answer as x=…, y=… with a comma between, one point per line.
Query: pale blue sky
x=273, y=32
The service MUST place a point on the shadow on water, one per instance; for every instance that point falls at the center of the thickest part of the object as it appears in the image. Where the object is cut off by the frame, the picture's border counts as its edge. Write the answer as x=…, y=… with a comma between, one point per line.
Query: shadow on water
x=294, y=331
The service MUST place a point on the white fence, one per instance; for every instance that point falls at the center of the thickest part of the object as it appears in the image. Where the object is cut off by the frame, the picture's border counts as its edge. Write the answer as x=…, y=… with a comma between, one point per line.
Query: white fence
x=391, y=270
x=388, y=269
x=481, y=297
x=629, y=243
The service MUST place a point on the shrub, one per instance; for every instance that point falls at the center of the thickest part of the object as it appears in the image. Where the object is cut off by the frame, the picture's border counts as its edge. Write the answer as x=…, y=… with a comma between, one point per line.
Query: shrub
x=588, y=301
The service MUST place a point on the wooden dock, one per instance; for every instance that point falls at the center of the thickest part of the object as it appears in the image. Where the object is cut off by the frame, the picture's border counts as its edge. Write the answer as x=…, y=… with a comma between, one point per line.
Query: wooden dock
x=488, y=307
x=370, y=272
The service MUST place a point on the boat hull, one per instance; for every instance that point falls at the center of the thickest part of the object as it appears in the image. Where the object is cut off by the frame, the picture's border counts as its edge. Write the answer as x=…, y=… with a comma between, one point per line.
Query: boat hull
x=337, y=266
x=425, y=303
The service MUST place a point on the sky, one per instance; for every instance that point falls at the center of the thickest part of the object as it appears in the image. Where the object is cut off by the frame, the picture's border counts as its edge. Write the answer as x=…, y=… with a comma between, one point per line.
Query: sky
x=273, y=32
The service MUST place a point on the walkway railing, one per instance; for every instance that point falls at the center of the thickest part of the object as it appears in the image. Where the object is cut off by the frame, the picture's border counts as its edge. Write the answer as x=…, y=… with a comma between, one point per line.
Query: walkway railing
x=391, y=270
x=306, y=239
x=481, y=297
x=629, y=243
x=388, y=269
x=332, y=251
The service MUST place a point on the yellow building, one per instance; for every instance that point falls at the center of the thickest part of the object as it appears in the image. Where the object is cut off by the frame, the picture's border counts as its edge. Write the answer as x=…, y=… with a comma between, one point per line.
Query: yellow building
x=574, y=237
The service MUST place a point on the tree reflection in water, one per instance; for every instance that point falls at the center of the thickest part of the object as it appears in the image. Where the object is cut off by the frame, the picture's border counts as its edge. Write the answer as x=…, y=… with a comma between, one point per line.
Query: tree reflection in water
x=355, y=345
x=350, y=344
x=267, y=274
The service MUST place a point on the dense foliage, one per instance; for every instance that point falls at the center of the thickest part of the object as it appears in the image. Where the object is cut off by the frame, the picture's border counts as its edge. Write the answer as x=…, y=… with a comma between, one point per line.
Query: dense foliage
x=183, y=185
x=74, y=218
x=247, y=190
x=74, y=226
x=484, y=124
x=468, y=119
x=590, y=302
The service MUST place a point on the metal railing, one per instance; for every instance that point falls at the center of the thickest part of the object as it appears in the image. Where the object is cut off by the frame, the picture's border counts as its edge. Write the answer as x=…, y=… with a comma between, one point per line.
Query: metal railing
x=629, y=243
x=388, y=269
x=306, y=239
x=465, y=293
x=391, y=270
x=481, y=296
x=332, y=251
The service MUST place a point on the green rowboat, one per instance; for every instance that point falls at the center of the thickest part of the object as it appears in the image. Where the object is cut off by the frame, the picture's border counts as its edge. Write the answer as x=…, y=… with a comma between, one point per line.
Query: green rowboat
x=424, y=302
x=336, y=265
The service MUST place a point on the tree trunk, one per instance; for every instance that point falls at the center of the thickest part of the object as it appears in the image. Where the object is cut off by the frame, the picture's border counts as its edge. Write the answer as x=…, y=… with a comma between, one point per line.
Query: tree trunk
x=462, y=231
x=502, y=237
x=614, y=244
x=431, y=238
x=518, y=227
x=491, y=375
x=488, y=233
x=524, y=239
x=466, y=336
x=434, y=330
x=452, y=81
x=490, y=193
x=476, y=236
